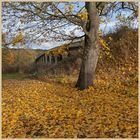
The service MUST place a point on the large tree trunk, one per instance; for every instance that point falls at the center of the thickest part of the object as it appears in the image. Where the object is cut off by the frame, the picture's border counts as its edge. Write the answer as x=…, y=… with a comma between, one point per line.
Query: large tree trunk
x=91, y=48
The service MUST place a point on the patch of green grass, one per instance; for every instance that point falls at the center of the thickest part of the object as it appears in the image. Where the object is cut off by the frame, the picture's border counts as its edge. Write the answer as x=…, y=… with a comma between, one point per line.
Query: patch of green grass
x=12, y=76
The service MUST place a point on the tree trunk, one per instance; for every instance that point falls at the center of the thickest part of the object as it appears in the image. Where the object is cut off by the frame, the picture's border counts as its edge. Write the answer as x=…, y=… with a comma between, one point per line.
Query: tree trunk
x=91, y=49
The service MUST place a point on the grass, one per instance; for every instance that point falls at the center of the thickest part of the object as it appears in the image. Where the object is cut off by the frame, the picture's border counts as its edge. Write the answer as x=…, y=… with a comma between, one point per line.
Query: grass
x=13, y=76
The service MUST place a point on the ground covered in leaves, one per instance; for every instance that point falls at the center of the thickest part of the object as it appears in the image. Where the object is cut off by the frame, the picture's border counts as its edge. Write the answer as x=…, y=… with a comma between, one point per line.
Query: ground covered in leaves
x=54, y=108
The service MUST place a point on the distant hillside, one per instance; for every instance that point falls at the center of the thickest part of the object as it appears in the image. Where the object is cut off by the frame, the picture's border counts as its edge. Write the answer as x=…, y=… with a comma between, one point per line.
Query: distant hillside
x=12, y=59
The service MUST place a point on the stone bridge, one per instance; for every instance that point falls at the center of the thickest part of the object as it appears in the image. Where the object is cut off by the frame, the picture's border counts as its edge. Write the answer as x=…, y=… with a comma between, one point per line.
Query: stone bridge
x=50, y=58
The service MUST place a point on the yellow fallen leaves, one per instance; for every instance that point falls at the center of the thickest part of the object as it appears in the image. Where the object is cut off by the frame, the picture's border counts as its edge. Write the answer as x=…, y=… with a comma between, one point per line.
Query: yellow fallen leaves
x=32, y=108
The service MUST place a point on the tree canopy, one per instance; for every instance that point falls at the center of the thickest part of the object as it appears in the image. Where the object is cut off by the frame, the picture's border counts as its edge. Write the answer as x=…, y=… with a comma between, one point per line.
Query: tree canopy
x=45, y=21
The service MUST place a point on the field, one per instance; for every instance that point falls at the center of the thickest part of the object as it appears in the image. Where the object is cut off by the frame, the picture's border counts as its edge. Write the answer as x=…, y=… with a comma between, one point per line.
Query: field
x=54, y=108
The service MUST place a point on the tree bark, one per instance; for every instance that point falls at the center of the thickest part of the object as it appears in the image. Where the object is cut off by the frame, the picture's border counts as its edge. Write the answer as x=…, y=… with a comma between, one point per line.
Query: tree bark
x=91, y=48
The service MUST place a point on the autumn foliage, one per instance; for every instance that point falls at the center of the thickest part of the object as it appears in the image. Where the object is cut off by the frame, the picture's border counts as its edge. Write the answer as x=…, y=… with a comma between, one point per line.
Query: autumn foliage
x=18, y=39
x=50, y=106
x=54, y=109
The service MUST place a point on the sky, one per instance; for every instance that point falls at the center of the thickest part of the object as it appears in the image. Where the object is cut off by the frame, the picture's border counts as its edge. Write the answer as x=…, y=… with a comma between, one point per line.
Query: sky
x=105, y=27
